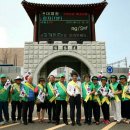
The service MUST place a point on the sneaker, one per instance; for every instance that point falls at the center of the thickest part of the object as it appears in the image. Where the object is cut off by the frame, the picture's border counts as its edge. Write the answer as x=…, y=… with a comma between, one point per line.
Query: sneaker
x=73, y=123
x=104, y=121
x=79, y=124
x=6, y=122
x=57, y=123
x=127, y=122
x=49, y=121
x=13, y=121
x=31, y=122
x=124, y=120
x=2, y=123
x=108, y=122
x=85, y=122
x=97, y=123
x=25, y=123
x=66, y=123
x=118, y=122
x=19, y=121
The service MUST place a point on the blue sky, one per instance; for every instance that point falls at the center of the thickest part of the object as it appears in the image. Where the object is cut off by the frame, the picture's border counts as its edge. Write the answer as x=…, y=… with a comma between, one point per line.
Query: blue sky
x=113, y=26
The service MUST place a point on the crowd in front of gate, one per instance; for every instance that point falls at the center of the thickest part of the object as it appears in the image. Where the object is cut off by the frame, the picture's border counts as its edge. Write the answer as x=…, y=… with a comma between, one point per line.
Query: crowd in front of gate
x=54, y=96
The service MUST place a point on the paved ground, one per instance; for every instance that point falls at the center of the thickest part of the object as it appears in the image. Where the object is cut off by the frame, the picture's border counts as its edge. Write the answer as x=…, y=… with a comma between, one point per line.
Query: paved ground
x=46, y=126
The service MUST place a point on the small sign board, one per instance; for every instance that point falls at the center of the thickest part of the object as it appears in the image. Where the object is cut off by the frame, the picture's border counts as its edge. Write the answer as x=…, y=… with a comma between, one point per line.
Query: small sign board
x=109, y=69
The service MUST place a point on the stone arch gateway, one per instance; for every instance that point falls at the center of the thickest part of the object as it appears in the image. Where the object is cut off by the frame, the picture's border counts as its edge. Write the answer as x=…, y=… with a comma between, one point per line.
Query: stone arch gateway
x=59, y=54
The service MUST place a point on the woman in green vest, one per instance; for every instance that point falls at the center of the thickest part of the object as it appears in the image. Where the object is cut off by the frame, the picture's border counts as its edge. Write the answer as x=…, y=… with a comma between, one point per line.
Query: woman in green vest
x=41, y=103
x=125, y=103
x=116, y=100
x=105, y=100
x=88, y=89
x=96, y=100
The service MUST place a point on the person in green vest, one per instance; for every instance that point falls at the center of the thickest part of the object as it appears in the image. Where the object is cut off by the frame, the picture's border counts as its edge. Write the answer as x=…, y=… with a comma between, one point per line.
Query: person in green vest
x=88, y=89
x=61, y=99
x=125, y=103
x=96, y=101
x=105, y=100
x=51, y=99
x=41, y=100
x=28, y=100
x=75, y=93
x=4, y=99
x=15, y=99
x=116, y=100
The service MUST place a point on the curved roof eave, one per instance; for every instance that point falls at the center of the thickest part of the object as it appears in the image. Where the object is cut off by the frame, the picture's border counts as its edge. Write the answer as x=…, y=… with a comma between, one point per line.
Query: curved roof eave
x=32, y=8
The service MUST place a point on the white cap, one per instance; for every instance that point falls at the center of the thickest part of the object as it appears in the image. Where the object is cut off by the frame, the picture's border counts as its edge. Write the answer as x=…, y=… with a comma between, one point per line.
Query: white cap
x=18, y=77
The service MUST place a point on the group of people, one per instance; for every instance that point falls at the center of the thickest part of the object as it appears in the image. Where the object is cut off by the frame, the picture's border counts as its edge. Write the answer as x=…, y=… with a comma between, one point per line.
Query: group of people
x=53, y=96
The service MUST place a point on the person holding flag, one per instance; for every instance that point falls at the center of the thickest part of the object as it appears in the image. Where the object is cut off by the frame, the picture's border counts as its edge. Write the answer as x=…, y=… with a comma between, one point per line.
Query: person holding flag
x=16, y=99
x=28, y=98
x=96, y=100
x=62, y=99
x=116, y=100
x=75, y=91
x=40, y=90
x=88, y=89
x=105, y=100
x=4, y=98
x=125, y=103
x=51, y=99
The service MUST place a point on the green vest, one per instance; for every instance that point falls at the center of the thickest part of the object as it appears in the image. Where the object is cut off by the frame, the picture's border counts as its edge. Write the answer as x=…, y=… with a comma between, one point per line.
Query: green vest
x=97, y=86
x=16, y=92
x=107, y=89
x=124, y=99
x=62, y=93
x=114, y=86
x=50, y=93
x=42, y=88
x=84, y=90
x=4, y=94
x=26, y=88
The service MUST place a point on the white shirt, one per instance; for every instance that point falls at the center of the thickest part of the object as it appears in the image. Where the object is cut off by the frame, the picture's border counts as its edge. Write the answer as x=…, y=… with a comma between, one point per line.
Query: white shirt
x=73, y=90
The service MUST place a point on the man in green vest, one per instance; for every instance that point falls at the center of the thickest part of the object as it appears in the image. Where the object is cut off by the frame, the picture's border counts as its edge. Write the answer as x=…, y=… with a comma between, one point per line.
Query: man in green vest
x=125, y=103
x=28, y=100
x=88, y=89
x=116, y=101
x=75, y=92
x=4, y=99
x=15, y=99
x=51, y=99
x=96, y=100
x=61, y=99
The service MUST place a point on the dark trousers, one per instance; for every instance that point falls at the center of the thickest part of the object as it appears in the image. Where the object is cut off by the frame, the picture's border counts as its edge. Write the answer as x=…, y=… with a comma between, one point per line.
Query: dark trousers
x=105, y=111
x=4, y=108
x=96, y=111
x=16, y=105
x=52, y=106
x=75, y=101
x=88, y=110
x=25, y=106
x=60, y=103
x=125, y=109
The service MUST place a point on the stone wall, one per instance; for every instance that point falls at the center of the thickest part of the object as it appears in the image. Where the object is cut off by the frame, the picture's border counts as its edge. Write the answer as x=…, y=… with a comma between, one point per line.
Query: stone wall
x=93, y=52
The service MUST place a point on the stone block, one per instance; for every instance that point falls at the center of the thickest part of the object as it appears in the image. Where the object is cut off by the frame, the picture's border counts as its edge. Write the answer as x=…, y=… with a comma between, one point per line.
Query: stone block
x=31, y=56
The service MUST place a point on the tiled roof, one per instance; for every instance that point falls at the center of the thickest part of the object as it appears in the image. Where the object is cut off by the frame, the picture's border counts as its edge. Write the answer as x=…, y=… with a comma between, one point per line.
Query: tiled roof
x=94, y=8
